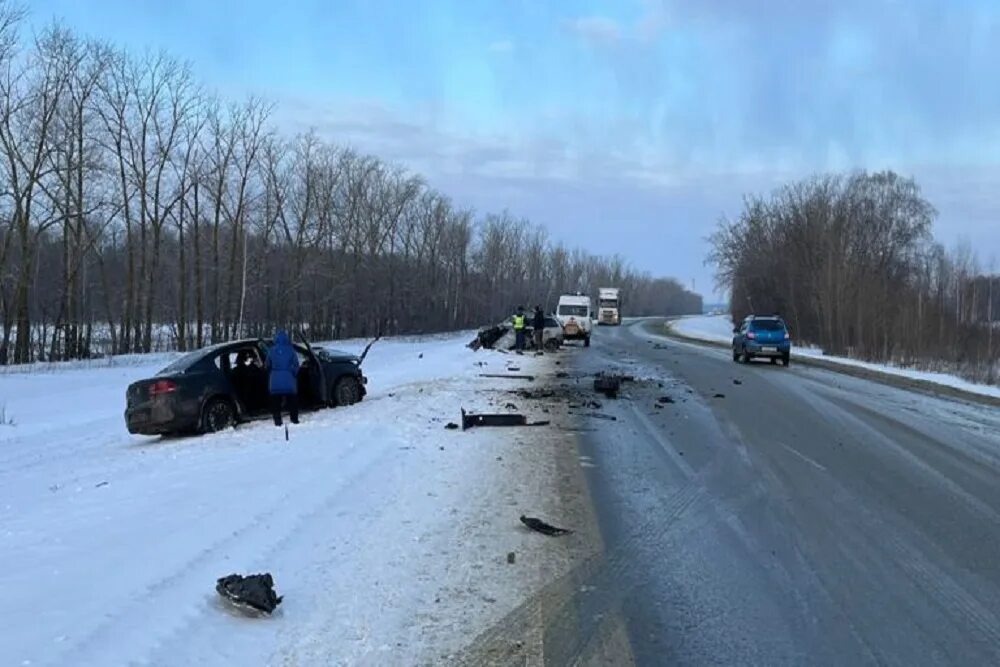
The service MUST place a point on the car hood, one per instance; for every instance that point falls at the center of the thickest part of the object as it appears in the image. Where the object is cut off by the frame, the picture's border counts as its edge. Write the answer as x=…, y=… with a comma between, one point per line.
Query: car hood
x=339, y=355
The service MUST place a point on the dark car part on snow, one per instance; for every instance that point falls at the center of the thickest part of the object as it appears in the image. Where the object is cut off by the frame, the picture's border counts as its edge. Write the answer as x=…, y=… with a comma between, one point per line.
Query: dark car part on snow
x=540, y=526
x=608, y=385
x=529, y=378
x=665, y=399
x=451, y=426
x=255, y=591
x=487, y=419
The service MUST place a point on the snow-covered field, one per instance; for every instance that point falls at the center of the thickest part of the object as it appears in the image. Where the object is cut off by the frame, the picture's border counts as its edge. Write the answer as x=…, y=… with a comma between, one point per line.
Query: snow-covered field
x=387, y=534
x=719, y=329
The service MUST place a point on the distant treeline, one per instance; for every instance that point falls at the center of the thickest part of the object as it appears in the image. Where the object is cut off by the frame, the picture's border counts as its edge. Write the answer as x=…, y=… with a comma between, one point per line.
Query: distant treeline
x=851, y=263
x=133, y=199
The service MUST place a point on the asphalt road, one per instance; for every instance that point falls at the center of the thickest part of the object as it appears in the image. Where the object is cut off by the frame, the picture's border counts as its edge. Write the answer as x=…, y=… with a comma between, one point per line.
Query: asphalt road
x=794, y=516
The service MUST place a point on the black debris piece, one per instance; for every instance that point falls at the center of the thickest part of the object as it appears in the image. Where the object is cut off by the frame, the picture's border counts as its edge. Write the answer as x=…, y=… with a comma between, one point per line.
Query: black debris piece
x=100, y=484
x=737, y=382
x=719, y=396
x=541, y=527
x=470, y=420
x=529, y=378
x=659, y=346
x=513, y=369
x=511, y=557
x=510, y=406
x=665, y=400
x=598, y=415
x=562, y=374
x=609, y=385
x=420, y=356
x=657, y=406
x=255, y=591
x=451, y=426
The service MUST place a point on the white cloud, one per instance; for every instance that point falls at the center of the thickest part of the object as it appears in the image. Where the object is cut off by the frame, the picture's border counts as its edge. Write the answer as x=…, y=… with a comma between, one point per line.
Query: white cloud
x=599, y=30
x=501, y=46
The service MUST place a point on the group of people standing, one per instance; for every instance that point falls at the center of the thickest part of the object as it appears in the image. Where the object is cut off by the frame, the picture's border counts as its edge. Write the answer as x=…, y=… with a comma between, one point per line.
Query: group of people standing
x=520, y=324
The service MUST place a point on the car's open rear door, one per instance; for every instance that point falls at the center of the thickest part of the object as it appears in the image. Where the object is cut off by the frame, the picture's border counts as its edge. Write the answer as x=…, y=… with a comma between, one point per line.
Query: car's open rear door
x=322, y=388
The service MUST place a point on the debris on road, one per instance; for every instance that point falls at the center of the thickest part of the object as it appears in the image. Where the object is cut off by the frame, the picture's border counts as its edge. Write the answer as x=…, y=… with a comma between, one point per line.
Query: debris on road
x=719, y=396
x=511, y=557
x=535, y=394
x=529, y=378
x=665, y=399
x=495, y=419
x=737, y=381
x=600, y=415
x=540, y=526
x=254, y=592
x=100, y=484
x=609, y=385
x=451, y=426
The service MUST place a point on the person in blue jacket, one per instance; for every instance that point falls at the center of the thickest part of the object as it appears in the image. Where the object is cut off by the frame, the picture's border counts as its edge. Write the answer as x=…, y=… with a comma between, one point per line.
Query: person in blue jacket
x=282, y=384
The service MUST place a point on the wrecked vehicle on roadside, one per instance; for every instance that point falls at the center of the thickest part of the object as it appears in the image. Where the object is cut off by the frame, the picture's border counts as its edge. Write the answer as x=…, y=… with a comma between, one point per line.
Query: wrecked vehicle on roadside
x=216, y=387
x=502, y=336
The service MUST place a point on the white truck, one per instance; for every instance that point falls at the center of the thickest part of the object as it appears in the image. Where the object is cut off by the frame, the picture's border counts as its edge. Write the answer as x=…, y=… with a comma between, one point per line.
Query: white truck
x=609, y=306
x=574, y=313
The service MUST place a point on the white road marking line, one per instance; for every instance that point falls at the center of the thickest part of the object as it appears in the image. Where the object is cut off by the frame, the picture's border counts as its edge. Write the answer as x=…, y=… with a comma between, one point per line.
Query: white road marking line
x=804, y=457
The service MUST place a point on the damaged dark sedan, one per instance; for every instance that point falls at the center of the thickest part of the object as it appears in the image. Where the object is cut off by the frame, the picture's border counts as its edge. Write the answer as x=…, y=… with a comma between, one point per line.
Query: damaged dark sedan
x=219, y=386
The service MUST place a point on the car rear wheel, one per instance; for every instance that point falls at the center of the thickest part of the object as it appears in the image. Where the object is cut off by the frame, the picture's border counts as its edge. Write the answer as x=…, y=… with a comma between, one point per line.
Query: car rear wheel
x=551, y=344
x=586, y=341
x=736, y=355
x=785, y=360
x=218, y=416
x=774, y=360
x=347, y=391
x=746, y=356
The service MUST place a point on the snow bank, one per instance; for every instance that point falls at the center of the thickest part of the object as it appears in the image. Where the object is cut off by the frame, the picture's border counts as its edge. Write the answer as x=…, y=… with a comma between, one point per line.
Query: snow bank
x=719, y=329
x=386, y=534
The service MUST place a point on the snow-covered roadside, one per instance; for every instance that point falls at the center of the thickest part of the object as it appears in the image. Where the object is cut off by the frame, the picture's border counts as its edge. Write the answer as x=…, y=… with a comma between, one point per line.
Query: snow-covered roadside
x=387, y=534
x=718, y=329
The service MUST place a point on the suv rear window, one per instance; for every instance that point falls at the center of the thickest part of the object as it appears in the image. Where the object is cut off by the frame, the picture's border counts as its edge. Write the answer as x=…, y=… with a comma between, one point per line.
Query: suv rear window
x=767, y=325
x=575, y=311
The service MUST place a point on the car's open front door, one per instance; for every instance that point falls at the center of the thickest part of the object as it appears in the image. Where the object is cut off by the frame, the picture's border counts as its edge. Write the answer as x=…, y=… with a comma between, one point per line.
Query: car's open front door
x=321, y=387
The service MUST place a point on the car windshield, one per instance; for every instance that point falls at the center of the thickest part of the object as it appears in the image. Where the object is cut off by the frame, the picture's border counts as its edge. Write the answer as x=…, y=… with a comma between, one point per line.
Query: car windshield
x=767, y=325
x=609, y=303
x=575, y=311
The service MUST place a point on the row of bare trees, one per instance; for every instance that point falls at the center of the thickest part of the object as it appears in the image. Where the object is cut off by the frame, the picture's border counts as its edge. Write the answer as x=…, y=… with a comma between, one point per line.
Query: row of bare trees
x=138, y=212
x=851, y=262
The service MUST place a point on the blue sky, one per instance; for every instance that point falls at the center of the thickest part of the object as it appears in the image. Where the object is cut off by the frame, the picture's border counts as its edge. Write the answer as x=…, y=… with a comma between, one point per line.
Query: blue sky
x=626, y=126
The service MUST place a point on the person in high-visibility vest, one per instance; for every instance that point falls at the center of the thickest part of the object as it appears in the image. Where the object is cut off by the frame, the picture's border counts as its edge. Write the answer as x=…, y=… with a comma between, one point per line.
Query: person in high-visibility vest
x=519, y=323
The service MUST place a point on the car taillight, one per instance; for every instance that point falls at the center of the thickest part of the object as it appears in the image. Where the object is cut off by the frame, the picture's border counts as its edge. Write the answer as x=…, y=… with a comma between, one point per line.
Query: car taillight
x=787, y=335
x=751, y=335
x=162, y=387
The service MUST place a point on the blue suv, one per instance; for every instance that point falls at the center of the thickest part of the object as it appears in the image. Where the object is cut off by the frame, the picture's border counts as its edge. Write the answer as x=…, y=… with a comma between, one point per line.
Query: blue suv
x=760, y=336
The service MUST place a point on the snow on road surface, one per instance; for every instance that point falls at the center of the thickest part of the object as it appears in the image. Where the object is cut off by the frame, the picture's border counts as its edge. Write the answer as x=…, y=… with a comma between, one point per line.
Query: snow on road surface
x=719, y=329
x=387, y=534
